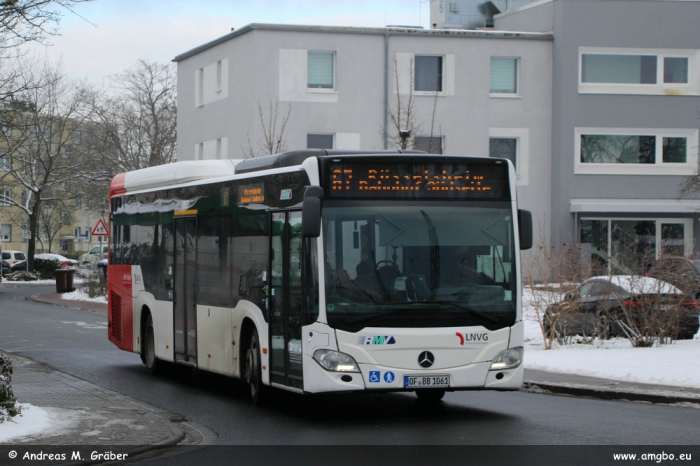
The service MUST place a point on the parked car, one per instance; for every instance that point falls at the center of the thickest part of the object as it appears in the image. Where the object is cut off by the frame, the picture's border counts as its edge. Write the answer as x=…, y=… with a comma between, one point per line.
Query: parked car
x=19, y=266
x=90, y=259
x=12, y=257
x=63, y=260
x=5, y=267
x=103, y=265
x=595, y=306
x=681, y=272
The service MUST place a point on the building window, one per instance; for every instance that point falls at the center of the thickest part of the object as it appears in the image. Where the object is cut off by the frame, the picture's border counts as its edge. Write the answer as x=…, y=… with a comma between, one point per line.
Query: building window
x=428, y=73
x=5, y=197
x=77, y=232
x=23, y=197
x=635, y=151
x=638, y=71
x=505, y=148
x=87, y=233
x=65, y=218
x=627, y=246
x=431, y=145
x=618, y=69
x=5, y=163
x=321, y=70
x=5, y=232
x=77, y=137
x=78, y=202
x=504, y=75
x=319, y=141
x=676, y=70
x=65, y=152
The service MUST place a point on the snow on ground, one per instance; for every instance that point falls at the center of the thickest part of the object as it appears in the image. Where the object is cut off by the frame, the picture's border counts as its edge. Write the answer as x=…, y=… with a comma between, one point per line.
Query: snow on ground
x=614, y=359
x=80, y=295
x=35, y=421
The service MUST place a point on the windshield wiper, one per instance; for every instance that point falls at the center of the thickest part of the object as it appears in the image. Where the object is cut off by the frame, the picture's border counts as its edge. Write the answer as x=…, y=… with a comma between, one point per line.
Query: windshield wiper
x=483, y=315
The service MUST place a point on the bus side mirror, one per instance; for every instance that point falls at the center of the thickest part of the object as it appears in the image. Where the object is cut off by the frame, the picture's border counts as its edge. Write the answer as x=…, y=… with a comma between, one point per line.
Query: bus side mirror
x=525, y=228
x=311, y=212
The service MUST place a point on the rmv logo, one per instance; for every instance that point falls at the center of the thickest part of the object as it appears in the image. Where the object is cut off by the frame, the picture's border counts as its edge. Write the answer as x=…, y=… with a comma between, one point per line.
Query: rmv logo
x=376, y=340
x=472, y=337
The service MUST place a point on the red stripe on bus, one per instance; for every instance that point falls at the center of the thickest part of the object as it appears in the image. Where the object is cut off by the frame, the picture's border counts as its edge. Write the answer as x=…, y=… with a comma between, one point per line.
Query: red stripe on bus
x=117, y=188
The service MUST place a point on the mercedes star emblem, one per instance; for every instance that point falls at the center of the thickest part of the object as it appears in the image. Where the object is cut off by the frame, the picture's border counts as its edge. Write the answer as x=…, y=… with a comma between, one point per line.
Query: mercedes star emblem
x=426, y=359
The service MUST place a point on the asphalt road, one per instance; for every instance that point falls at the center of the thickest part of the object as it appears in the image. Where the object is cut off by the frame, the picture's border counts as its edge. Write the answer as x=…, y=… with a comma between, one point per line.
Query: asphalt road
x=75, y=341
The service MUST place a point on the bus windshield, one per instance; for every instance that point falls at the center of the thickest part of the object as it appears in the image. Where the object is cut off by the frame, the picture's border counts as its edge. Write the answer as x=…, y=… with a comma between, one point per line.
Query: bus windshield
x=419, y=265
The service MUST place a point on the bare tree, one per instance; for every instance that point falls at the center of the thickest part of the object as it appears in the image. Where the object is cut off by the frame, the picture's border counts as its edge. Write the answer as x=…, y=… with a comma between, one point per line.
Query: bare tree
x=23, y=21
x=135, y=126
x=403, y=116
x=53, y=216
x=41, y=162
x=272, y=125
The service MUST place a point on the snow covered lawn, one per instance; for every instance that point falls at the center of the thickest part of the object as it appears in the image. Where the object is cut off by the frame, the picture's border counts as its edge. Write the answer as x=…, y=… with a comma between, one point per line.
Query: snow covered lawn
x=673, y=364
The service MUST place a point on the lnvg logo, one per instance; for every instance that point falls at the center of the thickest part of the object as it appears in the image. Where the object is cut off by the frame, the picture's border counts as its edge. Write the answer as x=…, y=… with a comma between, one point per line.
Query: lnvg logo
x=376, y=340
x=472, y=338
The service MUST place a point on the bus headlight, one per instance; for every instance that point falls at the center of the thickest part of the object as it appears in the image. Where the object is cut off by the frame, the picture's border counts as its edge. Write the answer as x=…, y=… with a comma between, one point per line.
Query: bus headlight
x=508, y=359
x=335, y=361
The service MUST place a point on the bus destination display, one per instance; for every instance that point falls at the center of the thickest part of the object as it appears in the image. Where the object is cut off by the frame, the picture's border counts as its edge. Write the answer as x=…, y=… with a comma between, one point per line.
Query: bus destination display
x=354, y=179
x=253, y=193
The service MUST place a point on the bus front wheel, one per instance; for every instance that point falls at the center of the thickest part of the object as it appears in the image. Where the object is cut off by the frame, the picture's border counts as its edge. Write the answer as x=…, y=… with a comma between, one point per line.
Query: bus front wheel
x=253, y=372
x=152, y=363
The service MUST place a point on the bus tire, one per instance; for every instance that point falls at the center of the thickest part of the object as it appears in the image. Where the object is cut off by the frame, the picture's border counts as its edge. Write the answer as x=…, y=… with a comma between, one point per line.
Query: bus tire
x=153, y=364
x=431, y=395
x=253, y=370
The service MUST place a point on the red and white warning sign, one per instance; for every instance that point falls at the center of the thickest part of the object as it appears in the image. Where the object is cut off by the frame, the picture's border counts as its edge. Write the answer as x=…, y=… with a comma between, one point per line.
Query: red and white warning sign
x=100, y=229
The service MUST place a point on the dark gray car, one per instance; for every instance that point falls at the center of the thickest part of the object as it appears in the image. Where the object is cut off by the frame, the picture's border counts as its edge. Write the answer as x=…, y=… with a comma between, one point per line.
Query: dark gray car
x=597, y=305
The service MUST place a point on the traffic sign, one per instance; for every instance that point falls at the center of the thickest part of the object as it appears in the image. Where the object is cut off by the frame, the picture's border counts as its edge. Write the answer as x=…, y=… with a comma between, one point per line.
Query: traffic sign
x=100, y=229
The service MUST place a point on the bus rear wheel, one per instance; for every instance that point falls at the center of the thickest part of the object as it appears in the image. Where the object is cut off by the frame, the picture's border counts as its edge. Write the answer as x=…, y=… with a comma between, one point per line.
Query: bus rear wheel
x=253, y=372
x=153, y=364
x=430, y=395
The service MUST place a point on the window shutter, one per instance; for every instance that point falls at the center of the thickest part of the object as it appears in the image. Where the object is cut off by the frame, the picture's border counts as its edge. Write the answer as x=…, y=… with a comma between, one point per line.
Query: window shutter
x=320, y=70
x=504, y=75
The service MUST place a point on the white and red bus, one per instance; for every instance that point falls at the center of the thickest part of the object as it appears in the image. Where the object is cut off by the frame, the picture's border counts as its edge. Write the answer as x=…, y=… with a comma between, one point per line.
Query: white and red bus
x=323, y=271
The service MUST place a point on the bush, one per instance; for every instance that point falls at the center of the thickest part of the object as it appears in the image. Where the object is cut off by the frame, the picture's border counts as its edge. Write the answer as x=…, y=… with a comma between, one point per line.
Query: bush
x=94, y=285
x=8, y=408
x=71, y=254
x=45, y=268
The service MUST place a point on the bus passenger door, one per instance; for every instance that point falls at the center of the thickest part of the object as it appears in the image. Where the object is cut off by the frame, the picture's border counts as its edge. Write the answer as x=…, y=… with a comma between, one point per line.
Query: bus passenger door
x=286, y=300
x=185, y=317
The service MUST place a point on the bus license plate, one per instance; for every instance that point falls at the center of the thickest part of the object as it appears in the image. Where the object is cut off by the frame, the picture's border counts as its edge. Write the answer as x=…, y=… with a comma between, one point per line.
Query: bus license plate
x=410, y=381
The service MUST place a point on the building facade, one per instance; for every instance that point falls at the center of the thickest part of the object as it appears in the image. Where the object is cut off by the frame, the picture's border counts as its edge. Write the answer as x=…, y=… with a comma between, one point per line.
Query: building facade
x=625, y=107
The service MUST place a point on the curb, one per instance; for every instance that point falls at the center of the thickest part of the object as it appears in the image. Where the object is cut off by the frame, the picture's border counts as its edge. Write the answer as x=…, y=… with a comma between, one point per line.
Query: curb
x=609, y=394
x=83, y=305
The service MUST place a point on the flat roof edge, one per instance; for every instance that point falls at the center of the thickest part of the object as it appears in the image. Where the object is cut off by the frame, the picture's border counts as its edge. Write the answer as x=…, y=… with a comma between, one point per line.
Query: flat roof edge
x=398, y=31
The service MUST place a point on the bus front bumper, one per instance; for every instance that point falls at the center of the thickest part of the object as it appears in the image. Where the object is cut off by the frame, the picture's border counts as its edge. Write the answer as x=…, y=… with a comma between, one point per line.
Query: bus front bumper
x=372, y=377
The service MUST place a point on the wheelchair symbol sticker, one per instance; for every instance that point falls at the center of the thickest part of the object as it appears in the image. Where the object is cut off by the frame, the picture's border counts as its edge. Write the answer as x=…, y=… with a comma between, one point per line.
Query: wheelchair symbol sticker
x=389, y=377
x=374, y=376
